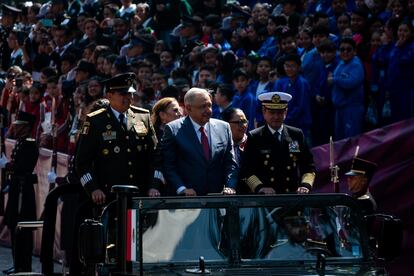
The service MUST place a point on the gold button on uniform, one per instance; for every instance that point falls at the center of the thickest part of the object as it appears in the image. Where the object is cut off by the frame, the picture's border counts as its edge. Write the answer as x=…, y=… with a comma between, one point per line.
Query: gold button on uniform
x=288, y=167
x=128, y=150
x=127, y=137
x=131, y=176
x=287, y=178
x=272, y=168
x=130, y=163
x=267, y=156
x=287, y=190
x=272, y=179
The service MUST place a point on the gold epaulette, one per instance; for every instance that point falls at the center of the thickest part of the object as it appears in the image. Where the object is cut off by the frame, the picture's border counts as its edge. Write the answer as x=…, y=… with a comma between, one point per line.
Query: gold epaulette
x=139, y=109
x=253, y=181
x=99, y=111
x=308, y=178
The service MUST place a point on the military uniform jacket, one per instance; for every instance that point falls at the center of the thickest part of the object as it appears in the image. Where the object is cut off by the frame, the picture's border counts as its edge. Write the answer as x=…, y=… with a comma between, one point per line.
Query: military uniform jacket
x=4, y=48
x=282, y=165
x=108, y=154
x=21, y=205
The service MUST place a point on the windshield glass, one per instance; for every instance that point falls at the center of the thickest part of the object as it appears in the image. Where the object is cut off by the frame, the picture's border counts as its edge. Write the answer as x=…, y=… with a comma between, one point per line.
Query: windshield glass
x=262, y=233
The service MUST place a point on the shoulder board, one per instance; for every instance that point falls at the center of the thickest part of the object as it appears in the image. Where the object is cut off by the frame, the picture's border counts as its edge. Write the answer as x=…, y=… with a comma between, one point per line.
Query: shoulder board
x=315, y=243
x=279, y=243
x=99, y=111
x=139, y=109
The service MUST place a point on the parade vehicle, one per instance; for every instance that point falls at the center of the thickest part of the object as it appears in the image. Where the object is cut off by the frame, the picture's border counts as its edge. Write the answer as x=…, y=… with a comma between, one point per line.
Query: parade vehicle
x=316, y=234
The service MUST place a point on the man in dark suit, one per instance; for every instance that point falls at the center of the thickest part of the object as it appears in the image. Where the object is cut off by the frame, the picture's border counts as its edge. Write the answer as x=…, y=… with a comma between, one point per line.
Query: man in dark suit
x=198, y=151
x=116, y=143
x=276, y=158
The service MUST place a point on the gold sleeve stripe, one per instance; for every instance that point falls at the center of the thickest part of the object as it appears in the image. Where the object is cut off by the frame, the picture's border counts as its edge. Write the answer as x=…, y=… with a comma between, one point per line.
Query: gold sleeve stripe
x=253, y=181
x=308, y=178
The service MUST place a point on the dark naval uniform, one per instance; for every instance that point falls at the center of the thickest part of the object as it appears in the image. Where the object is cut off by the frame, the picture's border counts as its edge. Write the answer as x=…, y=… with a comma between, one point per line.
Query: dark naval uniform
x=282, y=165
x=277, y=158
x=113, y=154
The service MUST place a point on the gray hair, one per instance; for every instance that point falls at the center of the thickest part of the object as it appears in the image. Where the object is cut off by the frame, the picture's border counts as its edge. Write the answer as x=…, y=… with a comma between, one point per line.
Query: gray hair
x=193, y=93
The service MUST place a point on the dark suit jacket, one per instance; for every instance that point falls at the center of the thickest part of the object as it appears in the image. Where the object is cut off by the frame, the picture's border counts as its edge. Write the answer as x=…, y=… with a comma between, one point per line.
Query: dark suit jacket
x=283, y=165
x=185, y=163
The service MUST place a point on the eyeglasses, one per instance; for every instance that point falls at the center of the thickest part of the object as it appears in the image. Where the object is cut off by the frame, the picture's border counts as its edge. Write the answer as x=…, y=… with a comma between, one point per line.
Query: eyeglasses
x=241, y=123
x=346, y=49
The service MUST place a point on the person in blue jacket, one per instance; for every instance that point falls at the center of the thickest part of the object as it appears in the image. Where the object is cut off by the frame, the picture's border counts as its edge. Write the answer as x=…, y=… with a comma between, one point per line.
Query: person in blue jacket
x=401, y=74
x=299, y=114
x=378, y=81
x=312, y=63
x=322, y=119
x=348, y=91
x=244, y=98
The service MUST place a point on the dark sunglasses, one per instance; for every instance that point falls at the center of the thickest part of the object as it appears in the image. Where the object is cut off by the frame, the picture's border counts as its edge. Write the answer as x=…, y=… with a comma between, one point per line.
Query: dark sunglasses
x=241, y=123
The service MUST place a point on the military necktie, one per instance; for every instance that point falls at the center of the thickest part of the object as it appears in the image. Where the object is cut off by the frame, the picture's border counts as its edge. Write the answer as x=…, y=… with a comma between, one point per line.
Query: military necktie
x=277, y=136
x=121, y=118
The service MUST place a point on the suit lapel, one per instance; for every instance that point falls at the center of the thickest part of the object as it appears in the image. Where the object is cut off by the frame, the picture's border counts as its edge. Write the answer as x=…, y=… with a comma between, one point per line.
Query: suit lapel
x=286, y=139
x=189, y=128
x=214, y=134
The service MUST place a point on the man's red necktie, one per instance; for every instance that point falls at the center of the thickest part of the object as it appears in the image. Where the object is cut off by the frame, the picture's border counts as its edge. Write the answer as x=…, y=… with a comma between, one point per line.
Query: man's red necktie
x=204, y=143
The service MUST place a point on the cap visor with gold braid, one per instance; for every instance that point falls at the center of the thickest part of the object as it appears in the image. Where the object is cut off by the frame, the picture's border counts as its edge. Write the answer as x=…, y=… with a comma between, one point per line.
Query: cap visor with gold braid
x=275, y=100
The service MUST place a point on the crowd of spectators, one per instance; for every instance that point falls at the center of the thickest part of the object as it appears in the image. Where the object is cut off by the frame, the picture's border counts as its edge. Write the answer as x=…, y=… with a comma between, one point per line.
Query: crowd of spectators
x=347, y=64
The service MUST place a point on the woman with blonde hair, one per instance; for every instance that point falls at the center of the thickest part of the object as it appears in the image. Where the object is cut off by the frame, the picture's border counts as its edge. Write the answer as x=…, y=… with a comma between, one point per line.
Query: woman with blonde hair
x=164, y=111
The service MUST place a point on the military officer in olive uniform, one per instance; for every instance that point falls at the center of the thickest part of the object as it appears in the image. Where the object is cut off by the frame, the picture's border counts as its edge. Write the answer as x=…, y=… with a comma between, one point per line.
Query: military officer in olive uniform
x=21, y=205
x=116, y=143
x=276, y=158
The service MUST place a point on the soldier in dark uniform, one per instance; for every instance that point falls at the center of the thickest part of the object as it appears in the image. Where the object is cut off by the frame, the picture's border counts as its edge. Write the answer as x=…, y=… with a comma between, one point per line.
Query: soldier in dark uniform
x=293, y=237
x=8, y=19
x=115, y=147
x=21, y=204
x=358, y=180
x=276, y=158
x=188, y=33
x=116, y=143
